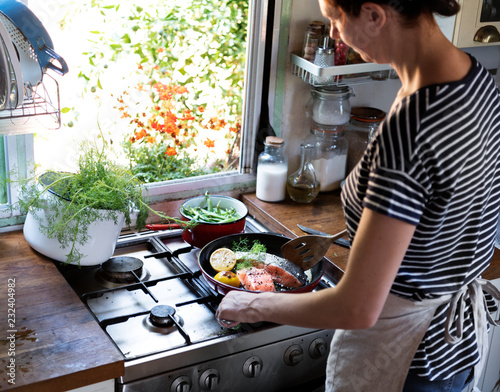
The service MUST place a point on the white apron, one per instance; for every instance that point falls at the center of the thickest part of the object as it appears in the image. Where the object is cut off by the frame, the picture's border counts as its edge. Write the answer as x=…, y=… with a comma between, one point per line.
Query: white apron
x=378, y=359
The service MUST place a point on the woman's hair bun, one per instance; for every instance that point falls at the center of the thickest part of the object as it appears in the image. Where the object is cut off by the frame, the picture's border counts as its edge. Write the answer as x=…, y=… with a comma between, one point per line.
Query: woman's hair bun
x=443, y=7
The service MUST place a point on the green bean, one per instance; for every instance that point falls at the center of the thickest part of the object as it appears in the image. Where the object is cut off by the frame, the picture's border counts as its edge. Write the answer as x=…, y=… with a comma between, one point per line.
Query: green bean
x=210, y=214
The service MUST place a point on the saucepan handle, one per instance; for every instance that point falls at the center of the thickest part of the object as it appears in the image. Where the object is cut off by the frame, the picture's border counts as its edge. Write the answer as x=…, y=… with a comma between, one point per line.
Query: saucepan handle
x=163, y=226
x=62, y=69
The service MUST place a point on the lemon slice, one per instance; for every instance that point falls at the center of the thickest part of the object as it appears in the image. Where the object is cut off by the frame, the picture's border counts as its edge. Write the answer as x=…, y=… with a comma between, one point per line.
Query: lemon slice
x=228, y=277
x=223, y=259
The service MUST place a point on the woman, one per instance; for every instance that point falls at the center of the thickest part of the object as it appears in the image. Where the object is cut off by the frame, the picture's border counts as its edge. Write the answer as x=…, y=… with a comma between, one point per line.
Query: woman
x=421, y=209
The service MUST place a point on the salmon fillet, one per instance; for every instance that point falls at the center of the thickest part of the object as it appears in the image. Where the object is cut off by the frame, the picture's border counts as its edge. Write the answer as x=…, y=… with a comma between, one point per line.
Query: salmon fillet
x=282, y=277
x=256, y=279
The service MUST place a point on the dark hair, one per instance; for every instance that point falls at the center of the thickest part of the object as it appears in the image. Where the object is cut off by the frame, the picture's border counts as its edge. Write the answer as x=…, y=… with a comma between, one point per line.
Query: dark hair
x=410, y=9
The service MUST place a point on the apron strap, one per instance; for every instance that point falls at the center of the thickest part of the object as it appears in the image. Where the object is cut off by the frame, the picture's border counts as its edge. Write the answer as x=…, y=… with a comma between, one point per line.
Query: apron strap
x=480, y=312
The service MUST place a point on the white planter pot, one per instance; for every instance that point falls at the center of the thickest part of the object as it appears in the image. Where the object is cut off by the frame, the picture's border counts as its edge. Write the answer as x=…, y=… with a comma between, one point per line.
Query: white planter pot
x=99, y=248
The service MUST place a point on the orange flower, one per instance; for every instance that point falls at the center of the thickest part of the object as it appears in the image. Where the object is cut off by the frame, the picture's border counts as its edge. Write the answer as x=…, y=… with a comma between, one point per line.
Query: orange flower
x=171, y=151
x=187, y=115
x=209, y=143
x=140, y=134
x=139, y=66
x=160, y=50
x=151, y=139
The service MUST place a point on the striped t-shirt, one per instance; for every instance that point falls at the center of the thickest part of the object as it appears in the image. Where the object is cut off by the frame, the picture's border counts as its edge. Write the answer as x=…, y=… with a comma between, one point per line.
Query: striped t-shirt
x=435, y=163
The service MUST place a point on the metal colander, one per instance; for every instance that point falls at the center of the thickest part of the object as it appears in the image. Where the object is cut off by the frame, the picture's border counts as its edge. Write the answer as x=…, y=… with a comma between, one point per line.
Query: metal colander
x=30, y=67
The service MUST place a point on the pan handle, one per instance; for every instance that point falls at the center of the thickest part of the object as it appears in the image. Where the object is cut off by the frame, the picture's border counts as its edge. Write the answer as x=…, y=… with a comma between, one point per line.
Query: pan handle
x=62, y=69
x=164, y=226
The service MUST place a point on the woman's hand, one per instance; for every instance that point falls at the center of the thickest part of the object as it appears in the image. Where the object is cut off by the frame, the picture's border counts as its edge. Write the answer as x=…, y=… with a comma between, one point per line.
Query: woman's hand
x=236, y=307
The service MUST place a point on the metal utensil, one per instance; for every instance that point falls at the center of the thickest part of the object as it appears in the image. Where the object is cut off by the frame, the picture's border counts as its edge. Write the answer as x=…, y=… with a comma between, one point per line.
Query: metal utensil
x=16, y=83
x=341, y=241
x=308, y=250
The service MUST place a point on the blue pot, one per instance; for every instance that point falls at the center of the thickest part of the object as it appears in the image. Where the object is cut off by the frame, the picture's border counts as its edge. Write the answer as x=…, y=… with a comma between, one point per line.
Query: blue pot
x=32, y=29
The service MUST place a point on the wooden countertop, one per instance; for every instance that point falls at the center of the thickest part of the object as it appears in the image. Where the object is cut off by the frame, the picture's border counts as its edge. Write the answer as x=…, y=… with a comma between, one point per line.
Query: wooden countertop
x=58, y=344
x=324, y=214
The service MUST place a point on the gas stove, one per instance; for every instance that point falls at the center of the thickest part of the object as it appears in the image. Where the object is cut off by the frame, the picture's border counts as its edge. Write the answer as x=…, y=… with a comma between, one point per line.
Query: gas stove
x=153, y=302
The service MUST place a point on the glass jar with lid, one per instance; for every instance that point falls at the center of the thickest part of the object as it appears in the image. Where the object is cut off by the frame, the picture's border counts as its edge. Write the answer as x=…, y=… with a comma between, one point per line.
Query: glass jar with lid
x=272, y=170
x=329, y=106
x=330, y=156
x=364, y=122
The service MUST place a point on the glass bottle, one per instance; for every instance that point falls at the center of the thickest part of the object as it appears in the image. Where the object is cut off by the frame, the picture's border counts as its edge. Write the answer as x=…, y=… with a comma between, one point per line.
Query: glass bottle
x=272, y=170
x=303, y=186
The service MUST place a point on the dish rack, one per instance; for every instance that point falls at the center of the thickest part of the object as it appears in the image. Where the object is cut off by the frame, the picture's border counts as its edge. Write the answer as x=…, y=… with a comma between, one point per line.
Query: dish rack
x=336, y=75
x=40, y=110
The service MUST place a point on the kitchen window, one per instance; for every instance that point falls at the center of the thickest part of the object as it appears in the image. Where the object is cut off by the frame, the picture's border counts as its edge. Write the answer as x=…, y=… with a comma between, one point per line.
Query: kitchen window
x=20, y=149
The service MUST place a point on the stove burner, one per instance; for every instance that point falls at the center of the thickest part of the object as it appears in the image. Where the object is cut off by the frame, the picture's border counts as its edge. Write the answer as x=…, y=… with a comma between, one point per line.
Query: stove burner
x=162, y=316
x=122, y=269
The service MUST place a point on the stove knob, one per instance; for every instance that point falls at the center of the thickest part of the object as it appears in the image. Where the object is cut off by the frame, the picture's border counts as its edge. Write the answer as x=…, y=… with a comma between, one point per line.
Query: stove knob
x=252, y=367
x=318, y=348
x=293, y=355
x=181, y=384
x=209, y=380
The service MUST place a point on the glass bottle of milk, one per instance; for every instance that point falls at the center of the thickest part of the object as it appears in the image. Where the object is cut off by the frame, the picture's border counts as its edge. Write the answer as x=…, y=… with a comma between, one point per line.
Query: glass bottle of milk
x=272, y=169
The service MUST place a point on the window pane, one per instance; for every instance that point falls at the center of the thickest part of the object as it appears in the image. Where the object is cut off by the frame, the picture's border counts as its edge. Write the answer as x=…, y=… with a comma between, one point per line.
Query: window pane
x=163, y=80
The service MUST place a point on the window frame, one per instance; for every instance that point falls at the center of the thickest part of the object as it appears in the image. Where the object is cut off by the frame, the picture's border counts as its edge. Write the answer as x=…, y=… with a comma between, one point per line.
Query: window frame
x=20, y=148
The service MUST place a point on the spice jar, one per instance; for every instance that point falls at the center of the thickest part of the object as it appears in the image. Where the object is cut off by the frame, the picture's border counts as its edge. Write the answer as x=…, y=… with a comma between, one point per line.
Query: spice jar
x=311, y=42
x=325, y=57
x=272, y=170
x=303, y=186
x=364, y=122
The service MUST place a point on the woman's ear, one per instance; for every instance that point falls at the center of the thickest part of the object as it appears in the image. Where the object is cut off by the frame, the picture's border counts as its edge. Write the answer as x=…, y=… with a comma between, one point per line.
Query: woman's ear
x=374, y=16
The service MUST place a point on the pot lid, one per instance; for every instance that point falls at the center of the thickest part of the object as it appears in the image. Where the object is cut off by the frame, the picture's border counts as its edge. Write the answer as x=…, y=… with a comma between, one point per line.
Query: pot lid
x=339, y=92
x=367, y=114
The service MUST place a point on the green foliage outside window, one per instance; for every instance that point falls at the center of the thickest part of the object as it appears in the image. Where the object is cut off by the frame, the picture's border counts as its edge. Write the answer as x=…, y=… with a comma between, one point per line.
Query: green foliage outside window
x=181, y=113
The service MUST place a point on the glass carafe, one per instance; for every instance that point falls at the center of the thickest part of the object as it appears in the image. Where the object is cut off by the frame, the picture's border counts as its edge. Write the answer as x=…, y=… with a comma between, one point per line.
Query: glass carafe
x=303, y=186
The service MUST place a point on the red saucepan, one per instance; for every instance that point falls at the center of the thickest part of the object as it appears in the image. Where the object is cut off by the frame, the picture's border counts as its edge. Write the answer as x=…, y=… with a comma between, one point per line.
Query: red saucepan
x=272, y=242
x=203, y=233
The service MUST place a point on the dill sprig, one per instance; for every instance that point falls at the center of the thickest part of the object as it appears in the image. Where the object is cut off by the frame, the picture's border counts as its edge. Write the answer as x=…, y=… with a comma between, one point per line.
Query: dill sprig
x=253, y=252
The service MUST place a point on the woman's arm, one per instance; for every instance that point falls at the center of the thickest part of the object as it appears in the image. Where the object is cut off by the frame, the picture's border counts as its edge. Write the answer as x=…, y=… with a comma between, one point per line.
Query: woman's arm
x=356, y=302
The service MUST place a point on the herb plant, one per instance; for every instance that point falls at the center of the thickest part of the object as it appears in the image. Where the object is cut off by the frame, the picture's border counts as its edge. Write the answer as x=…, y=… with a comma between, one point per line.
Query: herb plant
x=100, y=190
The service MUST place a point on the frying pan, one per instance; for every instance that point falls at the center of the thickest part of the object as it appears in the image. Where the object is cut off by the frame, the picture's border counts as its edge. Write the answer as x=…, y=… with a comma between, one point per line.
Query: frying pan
x=272, y=242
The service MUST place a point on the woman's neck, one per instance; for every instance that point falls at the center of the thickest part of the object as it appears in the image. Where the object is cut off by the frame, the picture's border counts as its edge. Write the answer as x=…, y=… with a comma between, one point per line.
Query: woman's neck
x=423, y=56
